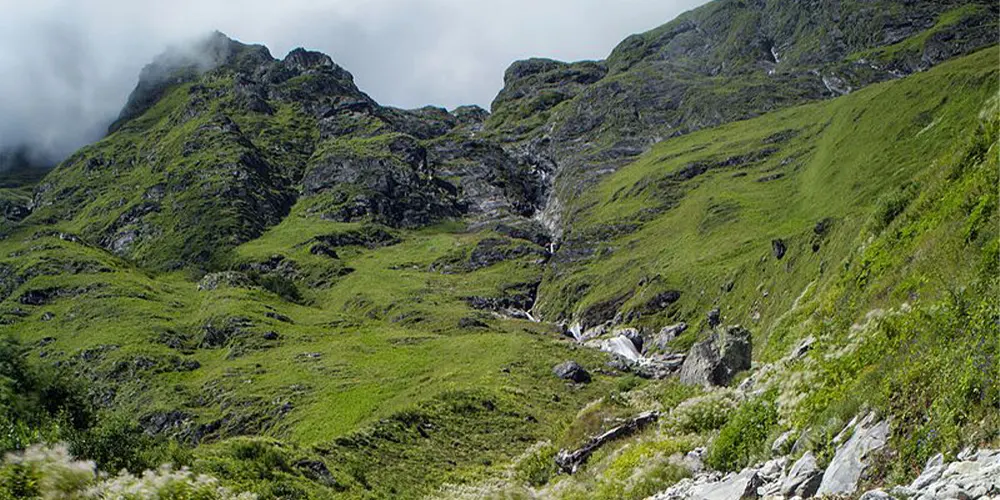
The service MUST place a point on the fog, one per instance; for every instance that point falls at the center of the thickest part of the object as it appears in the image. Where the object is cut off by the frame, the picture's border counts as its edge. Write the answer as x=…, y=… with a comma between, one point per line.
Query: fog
x=69, y=65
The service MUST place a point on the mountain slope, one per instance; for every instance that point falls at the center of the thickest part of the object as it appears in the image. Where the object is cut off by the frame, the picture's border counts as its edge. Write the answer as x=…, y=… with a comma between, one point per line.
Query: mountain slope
x=322, y=296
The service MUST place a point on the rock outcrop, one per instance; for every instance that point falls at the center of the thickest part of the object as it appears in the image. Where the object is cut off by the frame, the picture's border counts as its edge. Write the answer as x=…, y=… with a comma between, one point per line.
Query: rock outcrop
x=715, y=361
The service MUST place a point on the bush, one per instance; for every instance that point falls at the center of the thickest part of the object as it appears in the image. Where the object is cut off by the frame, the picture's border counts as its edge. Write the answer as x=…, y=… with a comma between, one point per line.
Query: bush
x=53, y=473
x=537, y=465
x=891, y=206
x=36, y=402
x=744, y=437
x=701, y=414
x=117, y=443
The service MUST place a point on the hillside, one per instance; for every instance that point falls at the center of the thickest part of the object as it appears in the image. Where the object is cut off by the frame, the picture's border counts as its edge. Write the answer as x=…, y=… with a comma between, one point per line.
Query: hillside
x=265, y=275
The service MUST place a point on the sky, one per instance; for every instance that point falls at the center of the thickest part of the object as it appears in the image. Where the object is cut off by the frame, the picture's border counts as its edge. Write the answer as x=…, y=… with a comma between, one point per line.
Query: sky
x=69, y=65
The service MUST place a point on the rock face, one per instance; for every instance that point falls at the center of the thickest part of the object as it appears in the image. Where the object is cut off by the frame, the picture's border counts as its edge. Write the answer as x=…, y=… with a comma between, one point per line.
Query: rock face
x=572, y=371
x=715, y=361
x=851, y=459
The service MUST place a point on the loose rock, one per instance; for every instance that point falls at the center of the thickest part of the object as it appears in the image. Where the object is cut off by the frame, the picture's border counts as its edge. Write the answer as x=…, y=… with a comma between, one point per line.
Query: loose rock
x=571, y=370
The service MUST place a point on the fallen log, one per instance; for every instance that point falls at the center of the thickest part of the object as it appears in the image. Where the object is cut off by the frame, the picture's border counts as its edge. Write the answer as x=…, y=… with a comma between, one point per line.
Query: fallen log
x=570, y=461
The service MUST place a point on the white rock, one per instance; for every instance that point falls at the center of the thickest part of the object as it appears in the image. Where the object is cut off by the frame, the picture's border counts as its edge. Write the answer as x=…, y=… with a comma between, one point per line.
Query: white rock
x=621, y=346
x=876, y=495
x=844, y=472
x=742, y=485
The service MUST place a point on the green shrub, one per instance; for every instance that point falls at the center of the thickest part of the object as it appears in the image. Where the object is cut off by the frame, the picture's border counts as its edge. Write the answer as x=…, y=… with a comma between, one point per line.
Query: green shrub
x=117, y=442
x=702, y=414
x=36, y=402
x=51, y=472
x=744, y=437
x=892, y=205
x=537, y=465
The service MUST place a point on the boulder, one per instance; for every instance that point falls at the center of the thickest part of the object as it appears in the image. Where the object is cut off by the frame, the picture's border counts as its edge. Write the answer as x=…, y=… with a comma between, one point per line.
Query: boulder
x=742, y=485
x=571, y=370
x=621, y=346
x=778, y=248
x=667, y=334
x=804, y=478
x=714, y=318
x=783, y=444
x=932, y=472
x=851, y=459
x=876, y=495
x=715, y=361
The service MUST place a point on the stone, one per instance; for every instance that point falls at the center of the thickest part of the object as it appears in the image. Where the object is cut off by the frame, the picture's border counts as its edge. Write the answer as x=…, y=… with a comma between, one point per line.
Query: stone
x=778, y=248
x=932, y=472
x=876, y=495
x=803, y=348
x=621, y=346
x=714, y=318
x=572, y=371
x=804, y=478
x=850, y=460
x=739, y=486
x=715, y=361
x=783, y=444
x=667, y=334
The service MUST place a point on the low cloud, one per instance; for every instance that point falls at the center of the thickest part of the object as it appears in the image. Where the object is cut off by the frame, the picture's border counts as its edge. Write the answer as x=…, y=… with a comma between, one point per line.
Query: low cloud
x=69, y=65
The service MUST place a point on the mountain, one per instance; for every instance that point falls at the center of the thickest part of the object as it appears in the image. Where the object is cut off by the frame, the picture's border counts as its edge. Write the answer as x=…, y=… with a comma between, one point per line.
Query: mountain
x=264, y=274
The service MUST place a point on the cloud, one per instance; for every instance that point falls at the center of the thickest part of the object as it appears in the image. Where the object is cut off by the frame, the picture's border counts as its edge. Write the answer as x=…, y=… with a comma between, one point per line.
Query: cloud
x=69, y=65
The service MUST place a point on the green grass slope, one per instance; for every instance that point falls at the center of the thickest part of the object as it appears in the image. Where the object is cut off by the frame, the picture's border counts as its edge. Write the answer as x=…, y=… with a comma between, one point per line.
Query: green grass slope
x=699, y=214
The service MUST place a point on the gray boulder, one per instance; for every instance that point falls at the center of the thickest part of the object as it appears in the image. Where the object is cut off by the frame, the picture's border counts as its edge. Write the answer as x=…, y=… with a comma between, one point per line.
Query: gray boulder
x=572, y=371
x=715, y=361
x=742, y=485
x=876, y=495
x=714, y=318
x=783, y=444
x=851, y=459
x=804, y=478
x=668, y=334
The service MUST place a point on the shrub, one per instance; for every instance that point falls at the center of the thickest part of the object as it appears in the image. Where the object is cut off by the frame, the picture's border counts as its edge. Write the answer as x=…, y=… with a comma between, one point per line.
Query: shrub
x=537, y=465
x=36, y=402
x=51, y=472
x=744, y=437
x=701, y=414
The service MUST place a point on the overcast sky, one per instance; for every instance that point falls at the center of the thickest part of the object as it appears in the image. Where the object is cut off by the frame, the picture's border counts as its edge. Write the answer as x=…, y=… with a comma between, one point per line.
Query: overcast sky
x=68, y=65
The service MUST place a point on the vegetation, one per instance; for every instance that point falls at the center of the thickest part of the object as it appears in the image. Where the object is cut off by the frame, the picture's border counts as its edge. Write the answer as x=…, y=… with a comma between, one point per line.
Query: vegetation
x=287, y=295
